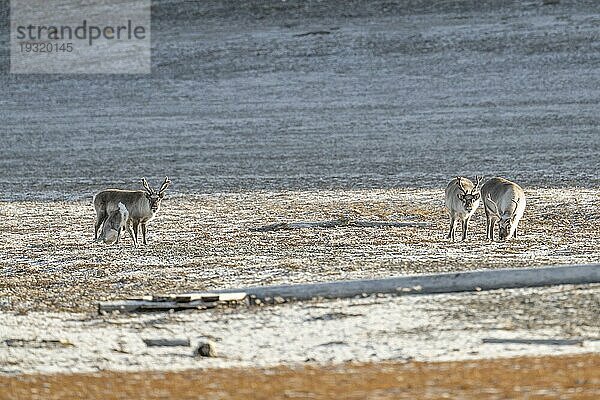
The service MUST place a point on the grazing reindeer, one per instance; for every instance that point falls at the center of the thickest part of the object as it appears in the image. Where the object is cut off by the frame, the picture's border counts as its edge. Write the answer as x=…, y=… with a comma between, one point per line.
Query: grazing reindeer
x=462, y=200
x=141, y=204
x=115, y=223
x=504, y=201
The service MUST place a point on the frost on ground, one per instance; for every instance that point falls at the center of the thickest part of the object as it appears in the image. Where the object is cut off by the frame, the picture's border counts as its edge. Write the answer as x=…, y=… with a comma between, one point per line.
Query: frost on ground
x=201, y=242
x=562, y=319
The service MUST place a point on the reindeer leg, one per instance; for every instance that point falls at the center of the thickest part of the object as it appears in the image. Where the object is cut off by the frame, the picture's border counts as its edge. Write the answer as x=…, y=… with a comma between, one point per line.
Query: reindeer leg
x=487, y=223
x=465, y=225
x=100, y=218
x=144, y=233
x=135, y=233
x=130, y=231
x=451, y=233
x=492, y=227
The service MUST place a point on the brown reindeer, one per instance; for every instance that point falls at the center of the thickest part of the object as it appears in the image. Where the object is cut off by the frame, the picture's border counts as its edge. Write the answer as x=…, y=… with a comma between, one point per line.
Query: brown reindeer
x=142, y=206
x=504, y=202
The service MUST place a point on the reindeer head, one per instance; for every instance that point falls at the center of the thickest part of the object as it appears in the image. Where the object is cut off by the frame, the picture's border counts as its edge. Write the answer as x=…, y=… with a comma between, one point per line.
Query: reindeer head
x=155, y=197
x=469, y=198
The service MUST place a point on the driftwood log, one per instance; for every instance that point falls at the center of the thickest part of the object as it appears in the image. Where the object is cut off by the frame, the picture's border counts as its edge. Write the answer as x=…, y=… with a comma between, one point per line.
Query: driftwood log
x=185, y=301
x=406, y=285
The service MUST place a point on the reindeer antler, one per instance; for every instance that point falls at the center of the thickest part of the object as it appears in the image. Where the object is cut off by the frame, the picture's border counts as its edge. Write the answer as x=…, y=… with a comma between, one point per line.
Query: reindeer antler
x=146, y=186
x=165, y=185
x=478, y=179
x=459, y=179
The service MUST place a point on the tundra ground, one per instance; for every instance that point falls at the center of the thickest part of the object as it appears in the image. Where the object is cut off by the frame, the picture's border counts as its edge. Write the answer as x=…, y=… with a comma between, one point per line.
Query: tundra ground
x=205, y=242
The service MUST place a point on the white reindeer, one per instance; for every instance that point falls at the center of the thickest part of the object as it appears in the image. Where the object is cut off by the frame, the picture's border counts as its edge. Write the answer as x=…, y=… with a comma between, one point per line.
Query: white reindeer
x=504, y=202
x=142, y=206
x=116, y=222
x=462, y=200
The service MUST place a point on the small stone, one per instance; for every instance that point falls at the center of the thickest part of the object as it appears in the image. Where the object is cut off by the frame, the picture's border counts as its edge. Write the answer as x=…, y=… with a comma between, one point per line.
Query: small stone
x=206, y=349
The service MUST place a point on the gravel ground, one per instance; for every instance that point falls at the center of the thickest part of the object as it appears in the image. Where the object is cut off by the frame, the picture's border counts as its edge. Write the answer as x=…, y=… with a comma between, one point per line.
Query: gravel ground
x=205, y=242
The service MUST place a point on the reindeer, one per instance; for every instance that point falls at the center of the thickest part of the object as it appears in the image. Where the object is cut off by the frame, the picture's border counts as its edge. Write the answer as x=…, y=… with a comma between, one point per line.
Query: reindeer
x=115, y=223
x=462, y=200
x=504, y=201
x=141, y=204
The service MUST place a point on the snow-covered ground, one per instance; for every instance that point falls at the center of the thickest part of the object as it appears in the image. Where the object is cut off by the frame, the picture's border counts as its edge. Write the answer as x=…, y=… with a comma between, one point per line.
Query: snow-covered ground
x=376, y=328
